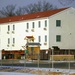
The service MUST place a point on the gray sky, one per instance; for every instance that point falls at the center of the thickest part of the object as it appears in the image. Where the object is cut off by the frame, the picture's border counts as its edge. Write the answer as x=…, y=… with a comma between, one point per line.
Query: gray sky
x=21, y=3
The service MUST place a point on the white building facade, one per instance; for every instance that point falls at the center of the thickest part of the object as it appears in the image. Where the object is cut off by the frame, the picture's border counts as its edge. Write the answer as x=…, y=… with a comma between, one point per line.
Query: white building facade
x=56, y=29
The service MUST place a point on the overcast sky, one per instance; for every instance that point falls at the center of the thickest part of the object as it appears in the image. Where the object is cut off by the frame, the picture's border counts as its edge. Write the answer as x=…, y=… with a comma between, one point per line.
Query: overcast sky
x=21, y=3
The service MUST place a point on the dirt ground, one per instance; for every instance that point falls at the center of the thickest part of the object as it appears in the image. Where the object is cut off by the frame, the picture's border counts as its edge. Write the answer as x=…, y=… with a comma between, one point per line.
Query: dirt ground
x=33, y=71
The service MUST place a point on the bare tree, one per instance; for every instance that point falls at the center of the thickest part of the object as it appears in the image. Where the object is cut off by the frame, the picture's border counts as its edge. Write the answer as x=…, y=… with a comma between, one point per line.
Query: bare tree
x=11, y=10
x=20, y=11
x=38, y=7
x=7, y=11
x=29, y=9
x=65, y=2
x=47, y=6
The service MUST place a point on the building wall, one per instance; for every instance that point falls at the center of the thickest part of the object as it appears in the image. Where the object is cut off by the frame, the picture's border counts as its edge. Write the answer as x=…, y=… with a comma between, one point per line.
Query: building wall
x=0, y=37
x=19, y=33
x=66, y=30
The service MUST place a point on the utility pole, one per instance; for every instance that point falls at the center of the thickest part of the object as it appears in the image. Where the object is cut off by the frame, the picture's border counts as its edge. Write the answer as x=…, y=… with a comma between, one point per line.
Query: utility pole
x=52, y=58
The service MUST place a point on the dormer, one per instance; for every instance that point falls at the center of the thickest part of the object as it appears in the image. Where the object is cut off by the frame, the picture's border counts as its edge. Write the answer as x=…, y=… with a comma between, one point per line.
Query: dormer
x=29, y=39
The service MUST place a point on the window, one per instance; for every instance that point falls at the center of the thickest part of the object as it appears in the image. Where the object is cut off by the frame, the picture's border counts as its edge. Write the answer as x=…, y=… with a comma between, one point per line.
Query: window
x=45, y=23
x=58, y=23
x=39, y=24
x=8, y=40
x=13, y=40
x=45, y=38
x=0, y=28
x=27, y=25
x=8, y=28
x=58, y=38
x=32, y=24
x=0, y=41
x=13, y=27
x=39, y=38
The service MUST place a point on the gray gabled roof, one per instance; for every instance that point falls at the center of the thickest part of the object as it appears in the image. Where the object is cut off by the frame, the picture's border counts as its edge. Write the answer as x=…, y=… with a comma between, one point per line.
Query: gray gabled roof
x=34, y=43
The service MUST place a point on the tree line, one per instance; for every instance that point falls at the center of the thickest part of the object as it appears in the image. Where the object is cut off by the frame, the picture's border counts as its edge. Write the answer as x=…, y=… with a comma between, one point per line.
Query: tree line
x=11, y=10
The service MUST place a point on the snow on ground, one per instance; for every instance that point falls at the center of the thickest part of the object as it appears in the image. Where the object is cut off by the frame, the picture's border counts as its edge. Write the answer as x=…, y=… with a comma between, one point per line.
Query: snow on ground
x=5, y=70
x=14, y=73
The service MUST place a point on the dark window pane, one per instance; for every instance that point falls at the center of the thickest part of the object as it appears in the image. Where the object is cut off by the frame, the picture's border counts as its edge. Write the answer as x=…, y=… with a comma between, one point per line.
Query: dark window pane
x=58, y=23
x=58, y=38
x=8, y=28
